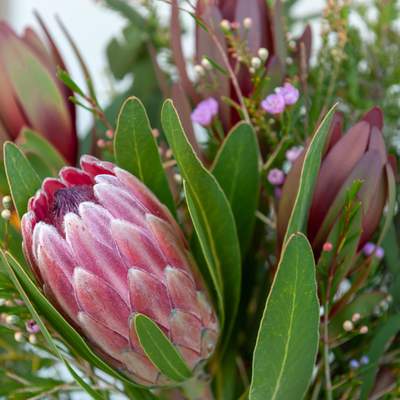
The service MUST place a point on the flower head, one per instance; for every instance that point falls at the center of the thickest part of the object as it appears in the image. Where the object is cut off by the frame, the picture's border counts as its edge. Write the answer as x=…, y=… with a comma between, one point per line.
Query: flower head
x=274, y=104
x=289, y=93
x=31, y=326
x=276, y=177
x=293, y=153
x=104, y=248
x=205, y=112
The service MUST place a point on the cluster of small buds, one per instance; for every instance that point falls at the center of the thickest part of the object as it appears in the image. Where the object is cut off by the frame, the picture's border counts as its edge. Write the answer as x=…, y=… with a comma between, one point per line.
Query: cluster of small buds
x=7, y=206
x=350, y=325
x=355, y=364
x=103, y=143
x=371, y=249
x=277, y=102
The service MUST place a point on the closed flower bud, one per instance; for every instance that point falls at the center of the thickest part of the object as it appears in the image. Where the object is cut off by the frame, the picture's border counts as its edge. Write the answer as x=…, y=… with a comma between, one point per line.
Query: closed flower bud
x=361, y=155
x=104, y=249
x=31, y=95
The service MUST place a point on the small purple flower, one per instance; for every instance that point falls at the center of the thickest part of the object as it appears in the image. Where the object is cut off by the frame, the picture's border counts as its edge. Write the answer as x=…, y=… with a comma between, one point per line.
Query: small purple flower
x=369, y=248
x=205, y=111
x=276, y=177
x=364, y=360
x=273, y=104
x=289, y=93
x=293, y=153
x=31, y=326
x=379, y=252
x=354, y=364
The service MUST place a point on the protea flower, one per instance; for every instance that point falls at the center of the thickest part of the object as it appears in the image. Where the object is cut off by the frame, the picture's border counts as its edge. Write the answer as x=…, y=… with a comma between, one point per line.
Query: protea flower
x=104, y=248
x=360, y=154
x=31, y=96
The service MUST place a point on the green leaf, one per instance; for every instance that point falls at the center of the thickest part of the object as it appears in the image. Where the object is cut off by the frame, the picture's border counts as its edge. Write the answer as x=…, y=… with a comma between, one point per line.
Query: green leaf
x=376, y=350
x=22, y=178
x=309, y=173
x=136, y=150
x=43, y=307
x=212, y=218
x=217, y=66
x=236, y=168
x=160, y=350
x=36, y=143
x=69, y=82
x=287, y=340
x=94, y=393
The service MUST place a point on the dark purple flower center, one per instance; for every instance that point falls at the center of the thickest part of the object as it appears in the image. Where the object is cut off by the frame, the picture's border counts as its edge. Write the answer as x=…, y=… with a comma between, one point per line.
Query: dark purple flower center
x=67, y=200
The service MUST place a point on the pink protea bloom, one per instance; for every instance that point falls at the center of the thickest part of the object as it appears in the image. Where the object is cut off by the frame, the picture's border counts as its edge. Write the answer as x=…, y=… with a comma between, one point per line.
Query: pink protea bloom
x=104, y=248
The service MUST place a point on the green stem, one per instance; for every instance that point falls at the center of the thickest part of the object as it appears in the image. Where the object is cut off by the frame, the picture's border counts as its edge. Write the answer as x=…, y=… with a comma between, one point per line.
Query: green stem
x=198, y=388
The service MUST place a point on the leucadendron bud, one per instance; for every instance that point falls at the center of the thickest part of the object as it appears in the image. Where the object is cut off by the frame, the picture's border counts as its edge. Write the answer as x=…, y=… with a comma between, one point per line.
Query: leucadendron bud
x=104, y=248
x=31, y=95
x=360, y=154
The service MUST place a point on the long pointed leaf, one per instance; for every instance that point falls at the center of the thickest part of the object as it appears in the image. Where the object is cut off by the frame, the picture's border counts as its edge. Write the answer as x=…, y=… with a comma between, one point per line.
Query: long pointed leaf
x=309, y=173
x=287, y=341
x=236, y=168
x=22, y=178
x=160, y=350
x=212, y=218
x=136, y=150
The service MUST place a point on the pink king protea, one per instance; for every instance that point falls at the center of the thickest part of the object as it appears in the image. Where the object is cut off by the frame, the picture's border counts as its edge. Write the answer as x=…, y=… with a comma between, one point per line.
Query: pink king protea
x=104, y=248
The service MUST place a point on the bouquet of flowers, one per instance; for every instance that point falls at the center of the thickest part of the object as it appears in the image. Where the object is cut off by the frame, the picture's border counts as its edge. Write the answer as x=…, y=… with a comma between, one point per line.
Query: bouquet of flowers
x=228, y=228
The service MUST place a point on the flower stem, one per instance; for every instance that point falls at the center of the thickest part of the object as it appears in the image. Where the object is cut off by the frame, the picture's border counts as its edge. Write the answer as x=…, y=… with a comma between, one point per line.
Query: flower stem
x=198, y=388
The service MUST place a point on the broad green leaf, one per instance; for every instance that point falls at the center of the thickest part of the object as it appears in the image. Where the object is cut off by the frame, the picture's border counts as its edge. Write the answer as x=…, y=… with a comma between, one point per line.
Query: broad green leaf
x=94, y=393
x=36, y=143
x=136, y=150
x=287, y=341
x=308, y=177
x=212, y=218
x=38, y=164
x=236, y=168
x=22, y=178
x=68, y=333
x=160, y=350
x=376, y=350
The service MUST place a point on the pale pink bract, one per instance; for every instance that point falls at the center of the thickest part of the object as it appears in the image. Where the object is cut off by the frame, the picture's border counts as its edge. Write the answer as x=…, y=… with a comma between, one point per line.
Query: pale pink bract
x=103, y=248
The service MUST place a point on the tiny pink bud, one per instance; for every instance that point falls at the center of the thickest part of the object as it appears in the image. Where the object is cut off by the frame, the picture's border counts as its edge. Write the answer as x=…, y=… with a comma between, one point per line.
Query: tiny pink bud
x=110, y=133
x=327, y=247
x=101, y=143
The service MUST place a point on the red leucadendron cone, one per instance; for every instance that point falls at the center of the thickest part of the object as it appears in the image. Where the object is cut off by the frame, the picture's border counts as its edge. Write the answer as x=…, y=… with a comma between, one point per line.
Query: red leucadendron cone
x=31, y=95
x=360, y=154
x=104, y=248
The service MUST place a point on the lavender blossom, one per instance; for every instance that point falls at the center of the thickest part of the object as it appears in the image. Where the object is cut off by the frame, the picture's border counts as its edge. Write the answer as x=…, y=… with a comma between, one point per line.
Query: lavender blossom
x=205, y=112
x=274, y=104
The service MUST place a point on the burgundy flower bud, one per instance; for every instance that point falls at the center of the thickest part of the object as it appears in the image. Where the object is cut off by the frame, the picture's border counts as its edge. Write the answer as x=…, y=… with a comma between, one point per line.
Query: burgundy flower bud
x=31, y=95
x=104, y=248
x=360, y=154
